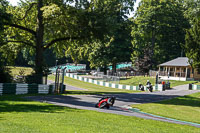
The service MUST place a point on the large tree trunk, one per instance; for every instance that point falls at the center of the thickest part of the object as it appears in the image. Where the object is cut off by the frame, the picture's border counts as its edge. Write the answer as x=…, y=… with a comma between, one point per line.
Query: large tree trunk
x=105, y=69
x=39, y=43
x=114, y=68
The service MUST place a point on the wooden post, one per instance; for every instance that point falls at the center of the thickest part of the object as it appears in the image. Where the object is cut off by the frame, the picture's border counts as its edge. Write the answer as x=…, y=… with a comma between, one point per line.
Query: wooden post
x=180, y=71
x=175, y=72
x=186, y=72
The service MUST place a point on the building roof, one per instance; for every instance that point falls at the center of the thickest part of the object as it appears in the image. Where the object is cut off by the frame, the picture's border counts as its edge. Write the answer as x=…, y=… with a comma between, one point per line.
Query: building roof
x=180, y=61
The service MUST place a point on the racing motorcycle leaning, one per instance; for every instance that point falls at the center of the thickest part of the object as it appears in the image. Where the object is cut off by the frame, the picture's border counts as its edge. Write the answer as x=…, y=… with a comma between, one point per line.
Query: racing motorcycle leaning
x=105, y=102
x=149, y=87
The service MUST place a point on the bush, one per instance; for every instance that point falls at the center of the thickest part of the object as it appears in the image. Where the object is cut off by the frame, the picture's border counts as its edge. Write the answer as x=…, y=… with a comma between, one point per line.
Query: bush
x=5, y=76
x=36, y=78
x=30, y=79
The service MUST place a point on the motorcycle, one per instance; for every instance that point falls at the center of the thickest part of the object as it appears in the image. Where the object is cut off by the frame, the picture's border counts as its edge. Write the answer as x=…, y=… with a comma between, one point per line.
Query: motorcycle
x=105, y=102
x=141, y=87
x=149, y=87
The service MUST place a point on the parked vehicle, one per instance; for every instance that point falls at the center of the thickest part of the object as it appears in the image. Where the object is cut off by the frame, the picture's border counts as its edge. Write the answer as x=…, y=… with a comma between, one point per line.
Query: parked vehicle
x=105, y=102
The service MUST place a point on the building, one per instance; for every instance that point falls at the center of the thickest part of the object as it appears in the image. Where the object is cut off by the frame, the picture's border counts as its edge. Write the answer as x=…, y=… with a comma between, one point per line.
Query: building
x=178, y=69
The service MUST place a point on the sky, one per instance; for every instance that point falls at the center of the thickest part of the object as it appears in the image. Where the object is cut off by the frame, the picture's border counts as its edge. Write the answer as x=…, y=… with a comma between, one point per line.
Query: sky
x=14, y=3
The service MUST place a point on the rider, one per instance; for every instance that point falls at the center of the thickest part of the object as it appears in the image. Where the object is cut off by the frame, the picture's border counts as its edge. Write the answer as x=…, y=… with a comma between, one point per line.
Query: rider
x=111, y=100
x=149, y=85
x=148, y=82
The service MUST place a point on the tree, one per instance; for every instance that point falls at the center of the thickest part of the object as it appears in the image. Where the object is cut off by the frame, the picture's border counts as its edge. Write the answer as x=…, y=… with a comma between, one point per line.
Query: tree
x=192, y=47
x=3, y=17
x=117, y=49
x=159, y=25
x=4, y=72
x=192, y=12
x=113, y=48
x=38, y=25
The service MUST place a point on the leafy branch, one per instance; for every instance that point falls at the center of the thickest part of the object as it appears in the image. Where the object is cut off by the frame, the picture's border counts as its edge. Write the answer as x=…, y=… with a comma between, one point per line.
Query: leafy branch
x=26, y=43
x=32, y=4
x=22, y=28
x=58, y=40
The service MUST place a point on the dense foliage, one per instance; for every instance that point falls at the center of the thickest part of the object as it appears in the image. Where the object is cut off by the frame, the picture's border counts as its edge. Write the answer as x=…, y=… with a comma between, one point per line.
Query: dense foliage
x=99, y=32
x=192, y=46
x=38, y=25
x=158, y=32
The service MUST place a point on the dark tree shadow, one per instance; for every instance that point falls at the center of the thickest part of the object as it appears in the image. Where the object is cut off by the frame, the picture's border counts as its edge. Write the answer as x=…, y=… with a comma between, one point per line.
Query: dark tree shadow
x=91, y=92
x=19, y=104
x=161, y=99
x=184, y=101
x=89, y=101
x=25, y=104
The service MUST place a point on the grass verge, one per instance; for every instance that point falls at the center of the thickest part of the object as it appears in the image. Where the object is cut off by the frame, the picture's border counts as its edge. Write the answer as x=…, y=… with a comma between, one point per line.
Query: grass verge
x=90, y=88
x=140, y=79
x=18, y=115
x=16, y=70
x=186, y=108
x=197, y=83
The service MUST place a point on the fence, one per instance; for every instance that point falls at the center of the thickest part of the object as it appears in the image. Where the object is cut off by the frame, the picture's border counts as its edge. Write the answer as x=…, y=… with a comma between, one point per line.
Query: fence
x=107, y=78
x=158, y=87
x=12, y=88
x=194, y=87
x=152, y=73
x=122, y=65
x=69, y=67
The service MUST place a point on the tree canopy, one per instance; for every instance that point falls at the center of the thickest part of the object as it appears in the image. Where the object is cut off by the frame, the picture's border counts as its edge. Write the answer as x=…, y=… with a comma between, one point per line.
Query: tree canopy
x=100, y=31
x=192, y=37
x=158, y=32
x=38, y=25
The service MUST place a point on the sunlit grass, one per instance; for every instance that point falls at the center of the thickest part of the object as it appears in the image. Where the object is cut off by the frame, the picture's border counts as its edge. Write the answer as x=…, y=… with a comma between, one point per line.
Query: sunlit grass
x=16, y=70
x=21, y=116
x=90, y=88
x=185, y=108
x=143, y=80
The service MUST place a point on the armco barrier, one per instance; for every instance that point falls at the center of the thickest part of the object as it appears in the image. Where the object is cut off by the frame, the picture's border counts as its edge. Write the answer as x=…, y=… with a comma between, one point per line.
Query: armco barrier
x=12, y=88
x=157, y=87
x=194, y=87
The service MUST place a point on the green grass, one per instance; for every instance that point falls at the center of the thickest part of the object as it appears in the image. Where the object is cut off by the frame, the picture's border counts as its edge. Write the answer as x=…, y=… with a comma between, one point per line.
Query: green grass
x=198, y=83
x=22, y=116
x=141, y=79
x=176, y=83
x=16, y=70
x=97, y=89
x=136, y=80
x=91, y=88
x=185, y=108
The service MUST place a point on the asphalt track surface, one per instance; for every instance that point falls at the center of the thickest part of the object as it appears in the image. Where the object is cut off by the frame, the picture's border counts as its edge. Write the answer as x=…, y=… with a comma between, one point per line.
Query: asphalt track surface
x=121, y=106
